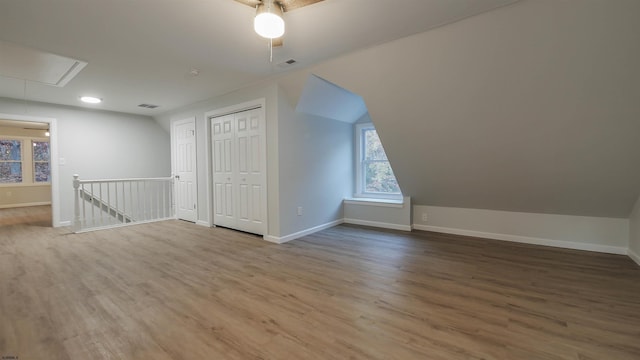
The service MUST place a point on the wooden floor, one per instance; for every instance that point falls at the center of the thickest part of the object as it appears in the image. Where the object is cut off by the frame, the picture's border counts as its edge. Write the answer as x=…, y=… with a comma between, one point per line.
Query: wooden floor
x=173, y=290
x=28, y=215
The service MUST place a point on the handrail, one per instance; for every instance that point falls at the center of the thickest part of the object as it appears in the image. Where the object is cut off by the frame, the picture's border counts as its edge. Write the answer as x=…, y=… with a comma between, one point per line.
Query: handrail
x=122, y=180
x=108, y=203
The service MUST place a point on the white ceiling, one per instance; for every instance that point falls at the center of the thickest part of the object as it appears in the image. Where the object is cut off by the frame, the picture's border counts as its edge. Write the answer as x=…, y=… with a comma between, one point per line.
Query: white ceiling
x=141, y=51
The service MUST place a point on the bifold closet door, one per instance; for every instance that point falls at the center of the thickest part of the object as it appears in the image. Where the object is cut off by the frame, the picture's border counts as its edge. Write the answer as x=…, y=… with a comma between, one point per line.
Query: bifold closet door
x=239, y=189
x=223, y=136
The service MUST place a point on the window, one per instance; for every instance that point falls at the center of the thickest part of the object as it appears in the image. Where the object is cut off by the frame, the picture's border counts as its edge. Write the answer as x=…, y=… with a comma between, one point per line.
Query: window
x=10, y=161
x=41, y=167
x=374, y=176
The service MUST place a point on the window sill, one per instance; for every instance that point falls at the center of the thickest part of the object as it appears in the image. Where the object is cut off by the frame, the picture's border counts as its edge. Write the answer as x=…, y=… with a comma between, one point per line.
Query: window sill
x=23, y=184
x=395, y=203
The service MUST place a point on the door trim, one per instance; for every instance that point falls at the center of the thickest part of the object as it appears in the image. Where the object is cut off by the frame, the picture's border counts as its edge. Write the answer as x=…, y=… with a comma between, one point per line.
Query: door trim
x=249, y=105
x=174, y=154
x=53, y=143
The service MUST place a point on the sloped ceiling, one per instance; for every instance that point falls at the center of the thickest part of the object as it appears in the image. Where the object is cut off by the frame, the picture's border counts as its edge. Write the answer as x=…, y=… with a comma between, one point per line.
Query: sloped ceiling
x=142, y=51
x=323, y=98
x=532, y=107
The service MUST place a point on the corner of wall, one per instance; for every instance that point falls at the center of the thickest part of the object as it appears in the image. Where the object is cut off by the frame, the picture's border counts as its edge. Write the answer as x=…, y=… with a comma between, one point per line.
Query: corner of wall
x=634, y=233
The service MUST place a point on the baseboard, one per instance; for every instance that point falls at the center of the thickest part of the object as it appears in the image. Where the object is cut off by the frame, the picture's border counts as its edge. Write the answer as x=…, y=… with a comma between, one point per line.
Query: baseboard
x=378, y=224
x=299, y=234
x=63, y=224
x=526, y=240
x=635, y=257
x=203, y=223
x=25, y=204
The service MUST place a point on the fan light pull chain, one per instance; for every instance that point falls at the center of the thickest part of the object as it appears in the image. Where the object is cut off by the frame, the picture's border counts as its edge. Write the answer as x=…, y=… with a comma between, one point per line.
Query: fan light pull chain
x=271, y=50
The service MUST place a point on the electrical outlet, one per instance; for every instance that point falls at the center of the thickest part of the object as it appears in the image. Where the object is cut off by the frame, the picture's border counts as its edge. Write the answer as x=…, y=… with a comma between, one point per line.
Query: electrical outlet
x=299, y=210
x=424, y=216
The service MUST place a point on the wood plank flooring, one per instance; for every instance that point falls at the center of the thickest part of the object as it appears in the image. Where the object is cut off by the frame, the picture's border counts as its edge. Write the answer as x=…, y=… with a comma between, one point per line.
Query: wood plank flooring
x=174, y=290
x=27, y=215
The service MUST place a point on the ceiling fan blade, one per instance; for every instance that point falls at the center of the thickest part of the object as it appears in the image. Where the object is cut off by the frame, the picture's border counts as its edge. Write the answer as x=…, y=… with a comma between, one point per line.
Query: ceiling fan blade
x=252, y=3
x=287, y=5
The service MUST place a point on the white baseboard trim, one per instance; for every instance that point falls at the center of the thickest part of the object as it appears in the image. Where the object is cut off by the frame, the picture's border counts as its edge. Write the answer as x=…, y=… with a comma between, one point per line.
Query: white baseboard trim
x=299, y=234
x=635, y=257
x=526, y=239
x=203, y=223
x=25, y=204
x=378, y=224
x=62, y=224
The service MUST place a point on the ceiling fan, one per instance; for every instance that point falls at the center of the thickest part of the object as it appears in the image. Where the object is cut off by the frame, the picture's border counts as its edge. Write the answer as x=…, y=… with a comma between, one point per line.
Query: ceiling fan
x=272, y=11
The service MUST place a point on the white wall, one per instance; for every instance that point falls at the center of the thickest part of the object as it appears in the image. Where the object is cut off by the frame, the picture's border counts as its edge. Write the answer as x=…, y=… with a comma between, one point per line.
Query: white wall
x=634, y=233
x=378, y=213
x=99, y=144
x=576, y=232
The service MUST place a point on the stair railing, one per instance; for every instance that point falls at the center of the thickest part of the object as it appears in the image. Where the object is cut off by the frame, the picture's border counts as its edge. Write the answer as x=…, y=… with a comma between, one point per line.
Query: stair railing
x=108, y=203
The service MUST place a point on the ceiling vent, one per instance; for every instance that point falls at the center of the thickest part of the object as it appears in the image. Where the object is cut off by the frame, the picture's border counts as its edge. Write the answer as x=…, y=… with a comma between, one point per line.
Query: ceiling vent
x=20, y=62
x=148, y=106
x=287, y=63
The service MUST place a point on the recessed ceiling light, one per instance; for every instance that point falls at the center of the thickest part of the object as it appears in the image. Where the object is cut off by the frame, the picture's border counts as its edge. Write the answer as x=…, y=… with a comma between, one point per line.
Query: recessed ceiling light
x=90, y=99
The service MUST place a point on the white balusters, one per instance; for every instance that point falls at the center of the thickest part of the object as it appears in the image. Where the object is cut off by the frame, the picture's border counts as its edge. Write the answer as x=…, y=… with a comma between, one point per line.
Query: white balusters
x=119, y=202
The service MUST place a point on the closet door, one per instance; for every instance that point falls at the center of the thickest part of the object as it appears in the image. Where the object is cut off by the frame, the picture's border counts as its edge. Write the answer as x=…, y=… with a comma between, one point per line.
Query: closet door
x=223, y=135
x=239, y=189
x=250, y=170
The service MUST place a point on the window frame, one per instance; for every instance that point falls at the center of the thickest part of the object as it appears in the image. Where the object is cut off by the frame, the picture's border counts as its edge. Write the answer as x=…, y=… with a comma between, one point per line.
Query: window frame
x=21, y=161
x=27, y=161
x=34, y=161
x=360, y=164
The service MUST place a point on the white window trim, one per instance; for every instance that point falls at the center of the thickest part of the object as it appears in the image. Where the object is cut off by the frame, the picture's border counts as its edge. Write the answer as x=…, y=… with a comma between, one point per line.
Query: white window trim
x=28, y=165
x=359, y=193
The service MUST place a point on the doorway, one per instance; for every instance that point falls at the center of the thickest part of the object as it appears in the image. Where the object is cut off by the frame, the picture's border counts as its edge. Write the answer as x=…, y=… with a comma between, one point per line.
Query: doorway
x=238, y=168
x=32, y=172
x=185, y=168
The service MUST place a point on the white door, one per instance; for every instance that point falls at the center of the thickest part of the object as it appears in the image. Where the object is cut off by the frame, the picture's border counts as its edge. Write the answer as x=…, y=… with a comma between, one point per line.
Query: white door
x=238, y=171
x=223, y=135
x=185, y=168
x=249, y=171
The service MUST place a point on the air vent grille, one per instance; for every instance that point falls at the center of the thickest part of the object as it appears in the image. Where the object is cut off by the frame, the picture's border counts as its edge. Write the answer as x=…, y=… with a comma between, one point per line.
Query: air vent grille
x=287, y=63
x=148, y=106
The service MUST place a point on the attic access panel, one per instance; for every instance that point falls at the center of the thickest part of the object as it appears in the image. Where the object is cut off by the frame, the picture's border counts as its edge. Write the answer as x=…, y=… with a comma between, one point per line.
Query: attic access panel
x=20, y=62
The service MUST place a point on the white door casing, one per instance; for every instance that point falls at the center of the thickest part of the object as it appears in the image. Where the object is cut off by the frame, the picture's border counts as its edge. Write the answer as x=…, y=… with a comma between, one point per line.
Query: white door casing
x=184, y=132
x=239, y=191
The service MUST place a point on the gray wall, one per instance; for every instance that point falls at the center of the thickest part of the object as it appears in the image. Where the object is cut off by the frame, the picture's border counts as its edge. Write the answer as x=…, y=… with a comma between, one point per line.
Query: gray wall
x=309, y=160
x=316, y=168
x=532, y=107
x=99, y=144
x=634, y=233
x=267, y=92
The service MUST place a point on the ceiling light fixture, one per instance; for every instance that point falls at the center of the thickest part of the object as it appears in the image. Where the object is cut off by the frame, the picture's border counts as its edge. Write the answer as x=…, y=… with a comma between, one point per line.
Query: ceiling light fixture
x=90, y=99
x=268, y=22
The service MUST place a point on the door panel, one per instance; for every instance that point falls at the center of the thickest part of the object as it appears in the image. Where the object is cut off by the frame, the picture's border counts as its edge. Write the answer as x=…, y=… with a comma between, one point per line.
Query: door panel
x=185, y=169
x=238, y=166
x=223, y=178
